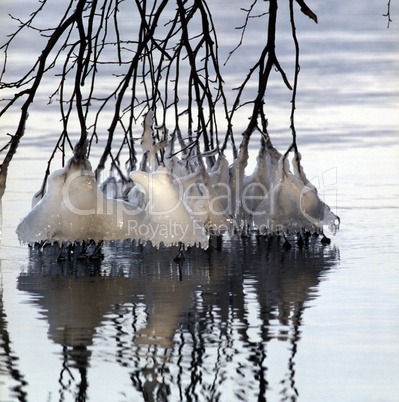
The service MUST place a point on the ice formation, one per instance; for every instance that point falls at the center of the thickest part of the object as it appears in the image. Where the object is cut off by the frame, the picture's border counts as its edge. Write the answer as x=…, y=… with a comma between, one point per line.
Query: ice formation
x=167, y=218
x=74, y=208
x=176, y=200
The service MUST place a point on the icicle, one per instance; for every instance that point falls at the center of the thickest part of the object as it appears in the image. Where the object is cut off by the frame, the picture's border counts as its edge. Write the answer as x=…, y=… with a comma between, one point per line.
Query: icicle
x=110, y=187
x=256, y=186
x=299, y=172
x=236, y=181
x=220, y=178
x=147, y=141
x=210, y=200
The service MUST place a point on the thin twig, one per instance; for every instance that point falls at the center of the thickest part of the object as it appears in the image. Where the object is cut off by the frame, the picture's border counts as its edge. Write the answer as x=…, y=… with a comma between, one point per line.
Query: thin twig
x=388, y=14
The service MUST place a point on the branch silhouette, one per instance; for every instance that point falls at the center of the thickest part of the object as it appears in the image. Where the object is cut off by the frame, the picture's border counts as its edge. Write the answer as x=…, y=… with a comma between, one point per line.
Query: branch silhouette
x=166, y=65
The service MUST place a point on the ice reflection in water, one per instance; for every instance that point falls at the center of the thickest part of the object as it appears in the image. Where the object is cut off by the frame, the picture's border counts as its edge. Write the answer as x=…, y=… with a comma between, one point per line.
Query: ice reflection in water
x=180, y=332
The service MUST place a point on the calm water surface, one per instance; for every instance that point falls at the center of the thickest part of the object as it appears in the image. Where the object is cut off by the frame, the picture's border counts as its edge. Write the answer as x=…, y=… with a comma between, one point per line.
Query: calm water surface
x=252, y=321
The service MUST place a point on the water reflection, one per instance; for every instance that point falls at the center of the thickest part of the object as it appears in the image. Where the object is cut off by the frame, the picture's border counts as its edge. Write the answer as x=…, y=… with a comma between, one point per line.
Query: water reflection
x=197, y=330
x=8, y=359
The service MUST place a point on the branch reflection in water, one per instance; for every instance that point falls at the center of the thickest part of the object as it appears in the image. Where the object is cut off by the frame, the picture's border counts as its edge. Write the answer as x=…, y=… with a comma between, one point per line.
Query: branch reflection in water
x=197, y=330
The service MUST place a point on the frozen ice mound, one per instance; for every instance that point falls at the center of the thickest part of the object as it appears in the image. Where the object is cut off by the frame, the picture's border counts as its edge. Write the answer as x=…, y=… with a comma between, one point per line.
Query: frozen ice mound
x=167, y=218
x=174, y=199
x=290, y=205
x=75, y=209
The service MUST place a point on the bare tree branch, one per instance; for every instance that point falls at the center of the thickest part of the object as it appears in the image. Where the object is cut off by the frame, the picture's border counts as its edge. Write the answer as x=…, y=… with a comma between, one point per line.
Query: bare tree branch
x=32, y=92
x=170, y=67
